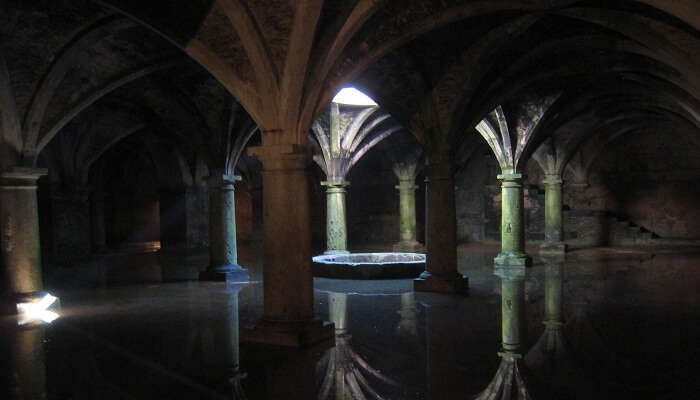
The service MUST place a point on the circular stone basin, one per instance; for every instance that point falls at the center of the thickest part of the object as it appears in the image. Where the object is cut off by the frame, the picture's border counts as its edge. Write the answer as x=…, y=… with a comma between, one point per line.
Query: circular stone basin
x=369, y=265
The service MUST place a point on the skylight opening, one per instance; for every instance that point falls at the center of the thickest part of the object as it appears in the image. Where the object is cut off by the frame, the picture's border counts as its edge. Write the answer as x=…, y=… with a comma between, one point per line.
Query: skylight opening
x=354, y=97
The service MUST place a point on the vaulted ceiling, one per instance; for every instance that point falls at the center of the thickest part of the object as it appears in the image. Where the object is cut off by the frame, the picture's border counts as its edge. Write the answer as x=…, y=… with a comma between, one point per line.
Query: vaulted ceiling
x=96, y=72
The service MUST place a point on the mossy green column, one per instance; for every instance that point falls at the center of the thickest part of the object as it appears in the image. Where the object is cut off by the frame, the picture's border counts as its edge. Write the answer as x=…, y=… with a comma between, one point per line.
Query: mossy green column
x=336, y=227
x=223, y=251
x=20, y=252
x=553, y=226
x=510, y=379
x=440, y=273
x=407, y=216
x=512, y=227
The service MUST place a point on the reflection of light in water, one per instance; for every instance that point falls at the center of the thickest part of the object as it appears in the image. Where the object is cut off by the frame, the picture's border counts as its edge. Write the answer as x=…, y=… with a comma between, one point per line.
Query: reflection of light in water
x=352, y=96
x=37, y=310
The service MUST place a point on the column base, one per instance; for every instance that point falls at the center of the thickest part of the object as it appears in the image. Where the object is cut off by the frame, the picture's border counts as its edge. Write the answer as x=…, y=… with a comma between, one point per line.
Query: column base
x=509, y=382
x=427, y=282
x=512, y=260
x=225, y=273
x=332, y=252
x=289, y=333
x=553, y=248
x=409, y=247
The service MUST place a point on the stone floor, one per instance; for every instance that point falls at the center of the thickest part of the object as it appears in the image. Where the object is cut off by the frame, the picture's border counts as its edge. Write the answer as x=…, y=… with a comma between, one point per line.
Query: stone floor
x=632, y=329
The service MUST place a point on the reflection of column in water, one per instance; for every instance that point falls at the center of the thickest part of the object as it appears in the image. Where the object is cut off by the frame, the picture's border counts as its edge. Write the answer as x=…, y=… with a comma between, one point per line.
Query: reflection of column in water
x=510, y=381
x=441, y=327
x=27, y=363
x=550, y=359
x=231, y=329
x=407, y=323
x=341, y=370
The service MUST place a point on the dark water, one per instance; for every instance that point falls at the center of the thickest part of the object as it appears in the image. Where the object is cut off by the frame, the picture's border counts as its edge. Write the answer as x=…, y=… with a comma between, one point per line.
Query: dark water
x=630, y=330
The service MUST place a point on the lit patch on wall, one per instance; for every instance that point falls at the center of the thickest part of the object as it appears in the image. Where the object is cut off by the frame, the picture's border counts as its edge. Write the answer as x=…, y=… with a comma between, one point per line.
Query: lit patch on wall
x=38, y=311
x=352, y=96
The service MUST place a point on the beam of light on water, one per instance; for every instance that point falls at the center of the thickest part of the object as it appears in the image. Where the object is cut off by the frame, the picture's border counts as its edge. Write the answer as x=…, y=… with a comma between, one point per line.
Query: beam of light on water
x=37, y=310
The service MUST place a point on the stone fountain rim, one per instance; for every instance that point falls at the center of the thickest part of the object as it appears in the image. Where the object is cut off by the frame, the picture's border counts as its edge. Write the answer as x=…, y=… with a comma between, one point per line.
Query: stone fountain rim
x=324, y=258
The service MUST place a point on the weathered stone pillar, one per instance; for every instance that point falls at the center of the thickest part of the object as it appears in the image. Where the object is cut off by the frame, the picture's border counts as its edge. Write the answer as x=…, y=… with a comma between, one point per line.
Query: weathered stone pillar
x=336, y=227
x=512, y=226
x=288, y=316
x=440, y=273
x=223, y=252
x=19, y=236
x=407, y=215
x=70, y=209
x=553, y=226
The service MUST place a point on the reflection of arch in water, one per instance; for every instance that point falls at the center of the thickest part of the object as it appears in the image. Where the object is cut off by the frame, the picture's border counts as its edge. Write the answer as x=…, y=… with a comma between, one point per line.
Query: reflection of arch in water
x=342, y=373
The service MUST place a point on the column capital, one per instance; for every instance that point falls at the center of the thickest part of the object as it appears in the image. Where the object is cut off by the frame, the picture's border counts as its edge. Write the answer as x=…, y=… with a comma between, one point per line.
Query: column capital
x=513, y=180
x=336, y=183
x=406, y=186
x=222, y=180
x=21, y=177
x=510, y=176
x=552, y=179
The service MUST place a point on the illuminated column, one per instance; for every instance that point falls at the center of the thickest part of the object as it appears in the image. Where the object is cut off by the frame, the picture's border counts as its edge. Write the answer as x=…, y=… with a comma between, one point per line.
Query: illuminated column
x=19, y=236
x=407, y=211
x=223, y=253
x=288, y=316
x=553, y=226
x=512, y=227
x=336, y=227
x=440, y=273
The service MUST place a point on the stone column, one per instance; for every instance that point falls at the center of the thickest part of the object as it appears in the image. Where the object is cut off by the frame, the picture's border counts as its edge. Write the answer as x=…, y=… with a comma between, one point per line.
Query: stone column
x=553, y=227
x=20, y=255
x=441, y=273
x=223, y=253
x=288, y=316
x=407, y=216
x=512, y=226
x=336, y=227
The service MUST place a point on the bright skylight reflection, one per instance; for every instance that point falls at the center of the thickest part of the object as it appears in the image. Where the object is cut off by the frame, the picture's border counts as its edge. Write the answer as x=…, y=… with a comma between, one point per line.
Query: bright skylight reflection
x=352, y=96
